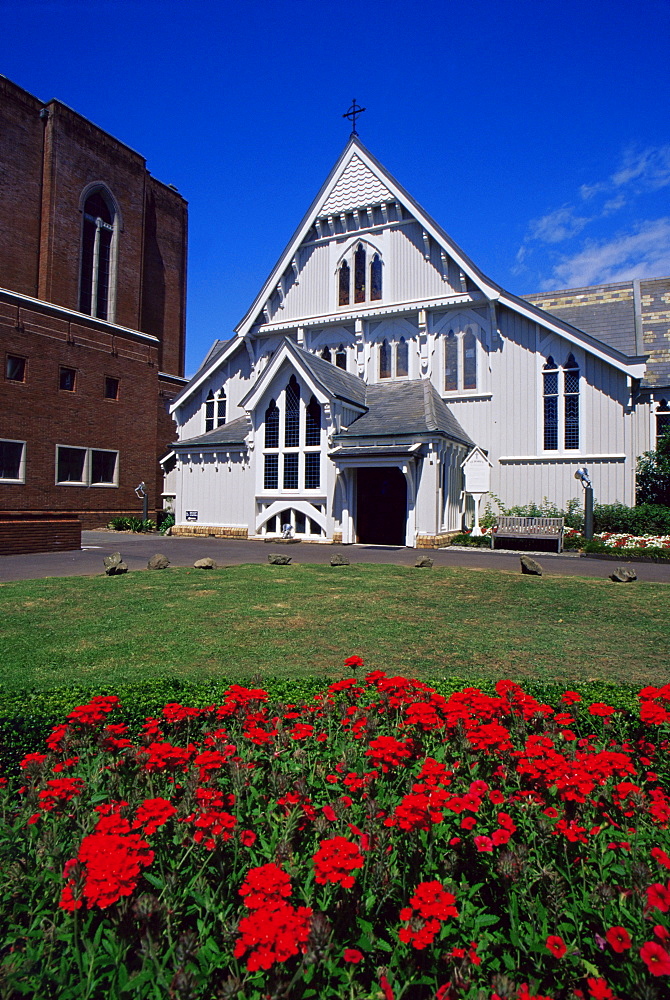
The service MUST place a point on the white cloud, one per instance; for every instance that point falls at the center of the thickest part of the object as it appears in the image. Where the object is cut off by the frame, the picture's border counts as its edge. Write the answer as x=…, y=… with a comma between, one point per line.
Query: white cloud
x=640, y=170
x=556, y=226
x=644, y=253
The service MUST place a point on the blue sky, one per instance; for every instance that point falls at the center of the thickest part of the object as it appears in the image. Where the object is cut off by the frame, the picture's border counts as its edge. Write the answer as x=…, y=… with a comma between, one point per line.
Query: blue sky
x=536, y=134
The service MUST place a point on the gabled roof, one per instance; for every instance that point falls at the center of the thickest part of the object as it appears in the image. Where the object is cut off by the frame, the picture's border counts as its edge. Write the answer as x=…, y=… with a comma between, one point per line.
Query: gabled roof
x=219, y=352
x=395, y=408
x=232, y=433
x=330, y=380
x=357, y=180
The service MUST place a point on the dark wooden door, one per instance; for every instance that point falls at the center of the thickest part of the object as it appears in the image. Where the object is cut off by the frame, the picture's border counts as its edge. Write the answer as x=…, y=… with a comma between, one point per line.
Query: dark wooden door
x=381, y=505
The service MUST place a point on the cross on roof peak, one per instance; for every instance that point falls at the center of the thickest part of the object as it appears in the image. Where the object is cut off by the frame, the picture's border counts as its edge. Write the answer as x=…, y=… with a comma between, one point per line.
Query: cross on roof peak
x=352, y=114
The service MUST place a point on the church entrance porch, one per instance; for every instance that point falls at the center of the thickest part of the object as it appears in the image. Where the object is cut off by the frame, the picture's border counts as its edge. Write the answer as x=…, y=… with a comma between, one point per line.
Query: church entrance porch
x=381, y=506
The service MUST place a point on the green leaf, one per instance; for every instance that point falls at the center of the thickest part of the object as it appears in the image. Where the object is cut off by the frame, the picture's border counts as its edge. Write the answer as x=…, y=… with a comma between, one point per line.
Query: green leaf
x=155, y=881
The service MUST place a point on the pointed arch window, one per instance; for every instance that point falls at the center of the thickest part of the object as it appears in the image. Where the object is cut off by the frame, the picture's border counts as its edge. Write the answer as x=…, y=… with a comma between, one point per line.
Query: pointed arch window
x=215, y=409
x=272, y=425
x=325, y=354
x=292, y=414
x=376, y=278
x=312, y=423
x=359, y=274
x=341, y=357
x=451, y=362
x=359, y=277
x=550, y=392
x=469, y=360
x=571, y=403
x=385, y=359
x=344, y=278
x=97, y=249
x=401, y=358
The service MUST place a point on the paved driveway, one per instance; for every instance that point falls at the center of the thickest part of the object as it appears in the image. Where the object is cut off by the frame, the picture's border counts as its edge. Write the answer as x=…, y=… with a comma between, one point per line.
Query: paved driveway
x=138, y=549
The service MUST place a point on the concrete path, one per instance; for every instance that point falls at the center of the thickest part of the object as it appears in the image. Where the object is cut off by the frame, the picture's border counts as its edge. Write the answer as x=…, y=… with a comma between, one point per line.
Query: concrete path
x=138, y=549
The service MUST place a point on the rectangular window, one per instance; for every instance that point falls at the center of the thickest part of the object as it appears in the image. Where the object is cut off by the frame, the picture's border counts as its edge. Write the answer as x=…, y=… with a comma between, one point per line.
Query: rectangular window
x=67, y=379
x=103, y=468
x=15, y=369
x=86, y=466
x=111, y=387
x=271, y=477
x=71, y=465
x=312, y=470
x=12, y=461
x=291, y=471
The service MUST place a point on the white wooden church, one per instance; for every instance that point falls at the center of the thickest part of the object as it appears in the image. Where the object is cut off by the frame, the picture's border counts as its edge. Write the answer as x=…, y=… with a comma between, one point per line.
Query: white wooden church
x=373, y=361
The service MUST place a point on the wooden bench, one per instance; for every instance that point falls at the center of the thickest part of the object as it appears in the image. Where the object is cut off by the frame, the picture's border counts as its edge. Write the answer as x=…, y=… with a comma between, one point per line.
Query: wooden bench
x=528, y=529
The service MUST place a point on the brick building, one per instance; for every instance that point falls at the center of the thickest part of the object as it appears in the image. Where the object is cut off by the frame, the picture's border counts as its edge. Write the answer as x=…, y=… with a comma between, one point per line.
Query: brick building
x=92, y=315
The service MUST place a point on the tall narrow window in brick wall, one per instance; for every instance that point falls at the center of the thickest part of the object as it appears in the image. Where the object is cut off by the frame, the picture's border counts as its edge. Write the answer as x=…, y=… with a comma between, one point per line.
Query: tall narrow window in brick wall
x=550, y=391
x=571, y=403
x=97, y=249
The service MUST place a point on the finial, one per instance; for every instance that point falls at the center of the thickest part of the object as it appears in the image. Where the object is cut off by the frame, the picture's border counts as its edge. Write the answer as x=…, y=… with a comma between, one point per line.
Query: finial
x=354, y=111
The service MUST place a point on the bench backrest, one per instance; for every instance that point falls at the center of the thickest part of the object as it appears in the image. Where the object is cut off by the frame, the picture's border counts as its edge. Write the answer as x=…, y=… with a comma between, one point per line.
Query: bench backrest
x=530, y=525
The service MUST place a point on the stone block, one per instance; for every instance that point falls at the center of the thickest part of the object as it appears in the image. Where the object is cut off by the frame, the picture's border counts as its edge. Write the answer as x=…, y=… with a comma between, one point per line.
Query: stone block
x=205, y=563
x=623, y=574
x=530, y=566
x=114, y=564
x=339, y=560
x=158, y=562
x=278, y=559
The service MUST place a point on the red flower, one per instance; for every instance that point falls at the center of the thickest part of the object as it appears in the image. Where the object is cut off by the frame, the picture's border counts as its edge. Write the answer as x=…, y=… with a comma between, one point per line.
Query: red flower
x=152, y=814
x=661, y=856
x=266, y=886
x=658, y=897
x=599, y=989
x=430, y=905
x=248, y=838
x=385, y=987
x=335, y=860
x=483, y=844
x=352, y=955
x=273, y=935
x=353, y=661
x=656, y=958
x=59, y=791
x=618, y=938
x=556, y=945
x=96, y=710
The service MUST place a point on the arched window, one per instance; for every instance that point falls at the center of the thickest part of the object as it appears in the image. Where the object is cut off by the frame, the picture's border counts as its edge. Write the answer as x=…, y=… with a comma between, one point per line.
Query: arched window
x=571, y=403
x=359, y=274
x=385, y=359
x=312, y=423
x=376, y=278
x=469, y=360
x=401, y=358
x=550, y=392
x=451, y=362
x=341, y=357
x=97, y=247
x=272, y=425
x=325, y=354
x=209, y=411
x=344, y=280
x=292, y=414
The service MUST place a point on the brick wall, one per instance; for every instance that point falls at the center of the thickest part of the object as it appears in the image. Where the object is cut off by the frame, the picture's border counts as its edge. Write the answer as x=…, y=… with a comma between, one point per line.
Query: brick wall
x=41, y=533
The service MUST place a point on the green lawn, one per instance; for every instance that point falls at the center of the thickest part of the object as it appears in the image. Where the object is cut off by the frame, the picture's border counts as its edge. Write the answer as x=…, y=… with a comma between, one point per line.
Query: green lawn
x=304, y=620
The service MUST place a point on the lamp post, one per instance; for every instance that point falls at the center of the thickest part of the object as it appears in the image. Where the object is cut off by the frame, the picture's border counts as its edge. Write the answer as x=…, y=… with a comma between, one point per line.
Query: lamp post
x=144, y=497
x=585, y=480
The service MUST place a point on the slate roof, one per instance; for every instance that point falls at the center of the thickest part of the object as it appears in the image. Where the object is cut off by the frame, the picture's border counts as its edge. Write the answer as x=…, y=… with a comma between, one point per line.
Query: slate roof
x=335, y=380
x=394, y=408
x=606, y=312
x=232, y=433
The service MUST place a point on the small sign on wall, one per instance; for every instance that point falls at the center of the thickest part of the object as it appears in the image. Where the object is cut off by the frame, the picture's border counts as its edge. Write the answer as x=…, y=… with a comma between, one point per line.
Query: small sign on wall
x=191, y=515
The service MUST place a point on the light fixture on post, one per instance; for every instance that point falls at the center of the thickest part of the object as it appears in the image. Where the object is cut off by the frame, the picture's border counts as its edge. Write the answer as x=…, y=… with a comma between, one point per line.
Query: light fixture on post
x=144, y=497
x=583, y=476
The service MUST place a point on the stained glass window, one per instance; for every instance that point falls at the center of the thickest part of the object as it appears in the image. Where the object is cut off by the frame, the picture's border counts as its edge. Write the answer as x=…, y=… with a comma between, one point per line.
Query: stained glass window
x=451, y=362
x=385, y=359
x=345, y=278
x=401, y=362
x=469, y=360
x=376, y=278
x=359, y=274
x=313, y=423
x=209, y=411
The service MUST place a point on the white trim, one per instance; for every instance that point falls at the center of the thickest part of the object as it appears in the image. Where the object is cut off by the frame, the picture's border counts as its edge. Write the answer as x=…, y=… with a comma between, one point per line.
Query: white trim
x=194, y=385
x=578, y=458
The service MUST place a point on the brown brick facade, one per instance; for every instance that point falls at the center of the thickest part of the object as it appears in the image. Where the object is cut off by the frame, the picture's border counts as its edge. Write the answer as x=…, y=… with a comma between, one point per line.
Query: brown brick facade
x=50, y=157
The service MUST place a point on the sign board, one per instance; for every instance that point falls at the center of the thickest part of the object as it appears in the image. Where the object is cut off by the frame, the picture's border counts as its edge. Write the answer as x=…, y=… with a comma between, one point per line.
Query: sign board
x=477, y=471
x=191, y=515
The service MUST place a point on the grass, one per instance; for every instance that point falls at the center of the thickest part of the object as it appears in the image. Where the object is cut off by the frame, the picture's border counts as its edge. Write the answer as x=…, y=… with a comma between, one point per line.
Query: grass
x=303, y=620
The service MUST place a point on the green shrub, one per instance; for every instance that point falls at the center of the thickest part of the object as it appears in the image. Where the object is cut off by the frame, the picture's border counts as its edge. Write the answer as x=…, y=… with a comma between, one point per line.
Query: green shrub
x=136, y=524
x=645, y=519
x=165, y=522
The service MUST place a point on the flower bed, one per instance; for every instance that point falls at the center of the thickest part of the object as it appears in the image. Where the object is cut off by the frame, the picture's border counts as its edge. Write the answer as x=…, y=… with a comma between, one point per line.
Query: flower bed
x=381, y=841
